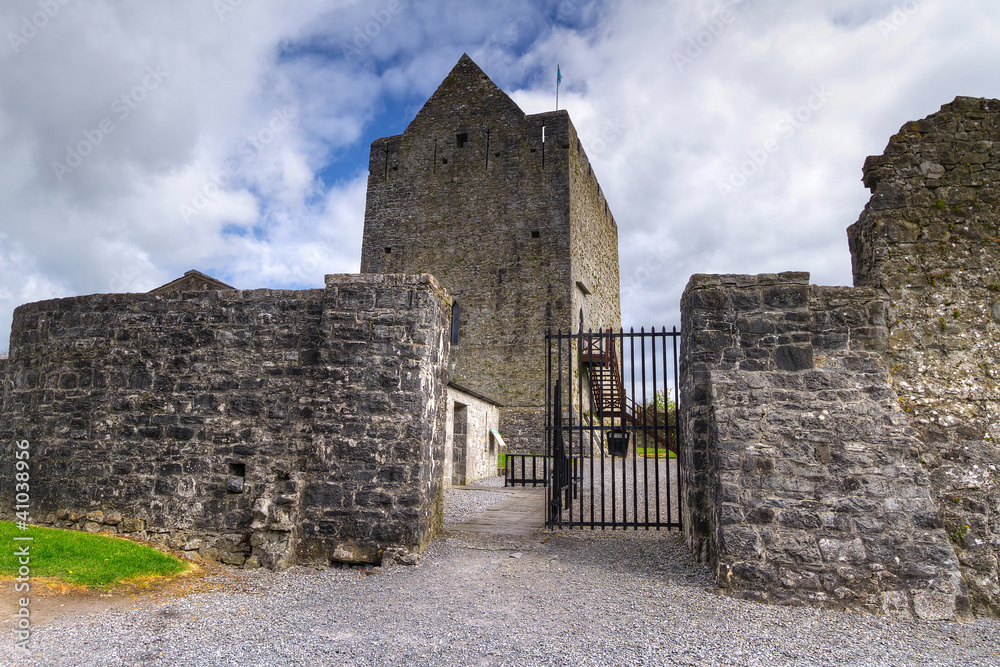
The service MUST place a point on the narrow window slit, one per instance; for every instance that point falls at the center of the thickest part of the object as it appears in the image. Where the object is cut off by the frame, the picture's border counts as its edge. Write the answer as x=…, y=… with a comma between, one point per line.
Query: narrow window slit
x=454, y=323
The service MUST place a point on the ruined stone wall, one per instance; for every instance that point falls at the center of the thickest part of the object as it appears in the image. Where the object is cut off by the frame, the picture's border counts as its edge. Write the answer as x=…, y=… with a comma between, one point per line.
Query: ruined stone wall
x=802, y=482
x=255, y=427
x=471, y=193
x=929, y=240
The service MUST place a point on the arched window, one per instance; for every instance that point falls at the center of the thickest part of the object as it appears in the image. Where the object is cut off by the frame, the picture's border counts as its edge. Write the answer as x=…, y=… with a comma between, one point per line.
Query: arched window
x=454, y=323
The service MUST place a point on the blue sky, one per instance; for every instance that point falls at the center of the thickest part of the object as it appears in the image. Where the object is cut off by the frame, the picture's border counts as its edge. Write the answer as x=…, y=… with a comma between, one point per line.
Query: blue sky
x=232, y=136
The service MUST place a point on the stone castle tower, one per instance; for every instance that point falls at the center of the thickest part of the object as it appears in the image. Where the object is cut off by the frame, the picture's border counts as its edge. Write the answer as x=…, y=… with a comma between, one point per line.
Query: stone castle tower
x=504, y=209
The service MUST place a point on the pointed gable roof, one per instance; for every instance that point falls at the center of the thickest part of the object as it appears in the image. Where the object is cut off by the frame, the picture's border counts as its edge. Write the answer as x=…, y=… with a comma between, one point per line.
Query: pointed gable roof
x=192, y=281
x=466, y=98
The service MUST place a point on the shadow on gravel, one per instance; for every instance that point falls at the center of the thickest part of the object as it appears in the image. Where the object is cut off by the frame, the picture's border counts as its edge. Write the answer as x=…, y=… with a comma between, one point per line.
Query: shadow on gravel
x=659, y=554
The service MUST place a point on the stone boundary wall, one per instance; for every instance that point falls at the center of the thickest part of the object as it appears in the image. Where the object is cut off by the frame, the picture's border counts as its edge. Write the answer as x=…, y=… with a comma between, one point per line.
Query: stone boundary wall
x=929, y=240
x=802, y=483
x=258, y=427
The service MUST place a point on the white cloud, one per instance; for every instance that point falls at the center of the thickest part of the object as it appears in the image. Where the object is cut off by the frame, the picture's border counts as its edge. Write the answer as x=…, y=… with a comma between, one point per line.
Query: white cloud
x=693, y=122
x=662, y=131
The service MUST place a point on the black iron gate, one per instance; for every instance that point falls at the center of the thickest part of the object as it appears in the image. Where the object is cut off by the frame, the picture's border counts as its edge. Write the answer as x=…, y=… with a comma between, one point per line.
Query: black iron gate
x=612, y=429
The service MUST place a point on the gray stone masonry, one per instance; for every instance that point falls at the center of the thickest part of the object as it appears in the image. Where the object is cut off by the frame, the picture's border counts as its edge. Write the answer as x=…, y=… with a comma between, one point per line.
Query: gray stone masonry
x=505, y=210
x=801, y=478
x=259, y=428
x=864, y=420
x=929, y=240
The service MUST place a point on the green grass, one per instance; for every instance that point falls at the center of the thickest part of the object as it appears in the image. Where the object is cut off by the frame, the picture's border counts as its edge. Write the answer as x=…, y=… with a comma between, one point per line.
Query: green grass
x=653, y=453
x=83, y=559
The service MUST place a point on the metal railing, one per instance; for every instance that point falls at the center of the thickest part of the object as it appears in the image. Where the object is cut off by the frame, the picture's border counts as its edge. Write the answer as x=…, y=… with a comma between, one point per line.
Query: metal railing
x=517, y=472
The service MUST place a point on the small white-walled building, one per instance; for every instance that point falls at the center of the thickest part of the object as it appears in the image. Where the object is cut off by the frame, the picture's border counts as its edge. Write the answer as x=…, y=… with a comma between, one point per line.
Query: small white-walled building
x=473, y=443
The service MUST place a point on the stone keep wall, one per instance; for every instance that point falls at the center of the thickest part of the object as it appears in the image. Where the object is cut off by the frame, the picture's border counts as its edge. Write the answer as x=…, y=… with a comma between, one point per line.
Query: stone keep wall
x=802, y=479
x=255, y=427
x=929, y=240
x=503, y=209
x=471, y=451
x=593, y=246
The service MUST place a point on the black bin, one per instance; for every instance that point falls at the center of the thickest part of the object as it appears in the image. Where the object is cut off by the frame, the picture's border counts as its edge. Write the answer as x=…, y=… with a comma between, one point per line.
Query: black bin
x=618, y=441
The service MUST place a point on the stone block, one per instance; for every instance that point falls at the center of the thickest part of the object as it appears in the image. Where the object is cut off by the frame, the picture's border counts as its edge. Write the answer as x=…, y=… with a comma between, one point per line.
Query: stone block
x=931, y=605
x=843, y=551
x=793, y=357
x=794, y=548
x=232, y=558
x=131, y=525
x=803, y=519
x=234, y=484
x=741, y=542
x=895, y=603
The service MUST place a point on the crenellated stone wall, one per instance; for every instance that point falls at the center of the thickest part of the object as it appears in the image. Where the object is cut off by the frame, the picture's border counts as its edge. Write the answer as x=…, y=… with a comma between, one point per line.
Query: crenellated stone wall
x=258, y=427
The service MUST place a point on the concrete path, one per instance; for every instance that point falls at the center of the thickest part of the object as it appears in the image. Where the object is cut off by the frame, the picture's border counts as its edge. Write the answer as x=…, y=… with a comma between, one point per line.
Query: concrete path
x=520, y=513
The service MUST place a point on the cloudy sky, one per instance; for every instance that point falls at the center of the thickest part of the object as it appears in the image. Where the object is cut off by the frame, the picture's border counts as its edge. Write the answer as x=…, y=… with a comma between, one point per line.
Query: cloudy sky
x=142, y=139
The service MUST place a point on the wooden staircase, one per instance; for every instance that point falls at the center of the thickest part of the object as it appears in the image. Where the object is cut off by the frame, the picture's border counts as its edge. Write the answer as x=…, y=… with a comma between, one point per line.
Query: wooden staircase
x=599, y=355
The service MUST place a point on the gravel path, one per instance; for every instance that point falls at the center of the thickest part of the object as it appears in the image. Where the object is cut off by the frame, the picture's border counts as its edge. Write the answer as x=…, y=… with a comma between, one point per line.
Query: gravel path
x=462, y=504
x=622, y=499
x=566, y=598
x=580, y=598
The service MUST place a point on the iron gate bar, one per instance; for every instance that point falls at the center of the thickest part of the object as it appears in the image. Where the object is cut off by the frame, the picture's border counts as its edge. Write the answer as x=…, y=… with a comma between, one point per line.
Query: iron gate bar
x=635, y=486
x=609, y=405
x=656, y=442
